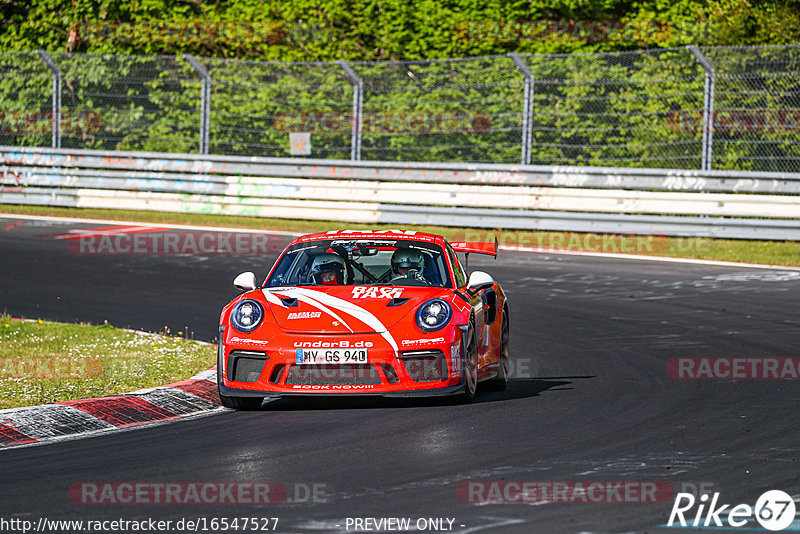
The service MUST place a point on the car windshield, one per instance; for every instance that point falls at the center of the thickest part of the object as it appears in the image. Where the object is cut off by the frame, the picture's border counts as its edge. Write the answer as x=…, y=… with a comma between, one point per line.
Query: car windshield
x=396, y=262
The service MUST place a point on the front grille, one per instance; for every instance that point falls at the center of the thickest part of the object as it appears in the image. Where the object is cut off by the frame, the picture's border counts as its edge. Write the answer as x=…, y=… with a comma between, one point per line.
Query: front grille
x=277, y=372
x=333, y=375
x=245, y=365
x=425, y=365
x=389, y=373
x=247, y=369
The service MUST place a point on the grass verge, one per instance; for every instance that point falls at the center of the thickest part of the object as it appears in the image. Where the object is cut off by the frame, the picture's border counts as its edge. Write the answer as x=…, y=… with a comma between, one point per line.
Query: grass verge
x=44, y=362
x=737, y=250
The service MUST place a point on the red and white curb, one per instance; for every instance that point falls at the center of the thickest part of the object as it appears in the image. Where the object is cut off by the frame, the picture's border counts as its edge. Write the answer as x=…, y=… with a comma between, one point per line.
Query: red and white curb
x=31, y=425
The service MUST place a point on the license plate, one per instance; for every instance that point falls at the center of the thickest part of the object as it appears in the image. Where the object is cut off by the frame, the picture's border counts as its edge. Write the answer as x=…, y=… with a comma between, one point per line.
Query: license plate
x=323, y=356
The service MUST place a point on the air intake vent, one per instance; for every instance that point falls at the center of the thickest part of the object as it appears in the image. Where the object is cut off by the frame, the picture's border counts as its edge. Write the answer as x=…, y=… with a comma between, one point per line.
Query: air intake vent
x=277, y=372
x=246, y=365
x=425, y=365
x=247, y=369
x=389, y=373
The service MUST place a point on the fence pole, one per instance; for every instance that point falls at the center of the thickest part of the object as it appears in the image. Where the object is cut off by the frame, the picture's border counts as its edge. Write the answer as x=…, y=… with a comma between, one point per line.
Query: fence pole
x=708, y=106
x=205, y=100
x=56, y=118
x=358, y=106
x=527, y=108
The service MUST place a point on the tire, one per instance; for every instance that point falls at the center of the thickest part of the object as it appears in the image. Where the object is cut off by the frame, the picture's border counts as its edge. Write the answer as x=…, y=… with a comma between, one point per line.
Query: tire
x=500, y=382
x=241, y=403
x=469, y=367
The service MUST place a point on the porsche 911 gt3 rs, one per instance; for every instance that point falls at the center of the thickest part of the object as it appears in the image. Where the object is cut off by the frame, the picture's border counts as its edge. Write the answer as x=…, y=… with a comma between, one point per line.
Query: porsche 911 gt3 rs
x=389, y=313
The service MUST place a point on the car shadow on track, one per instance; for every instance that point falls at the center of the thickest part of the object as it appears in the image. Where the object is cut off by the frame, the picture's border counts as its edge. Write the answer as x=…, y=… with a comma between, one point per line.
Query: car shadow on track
x=518, y=388
x=523, y=388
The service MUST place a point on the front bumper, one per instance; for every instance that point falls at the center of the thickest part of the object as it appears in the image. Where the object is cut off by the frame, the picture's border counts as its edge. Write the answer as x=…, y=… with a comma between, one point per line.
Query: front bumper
x=271, y=370
x=435, y=392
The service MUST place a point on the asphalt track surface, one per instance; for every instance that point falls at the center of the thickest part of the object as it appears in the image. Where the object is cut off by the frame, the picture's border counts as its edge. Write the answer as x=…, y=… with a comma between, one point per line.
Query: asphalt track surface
x=591, y=399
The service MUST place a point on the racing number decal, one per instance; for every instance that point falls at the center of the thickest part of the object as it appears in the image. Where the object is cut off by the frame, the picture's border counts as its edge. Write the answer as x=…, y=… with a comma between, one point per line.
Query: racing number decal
x=363, y=292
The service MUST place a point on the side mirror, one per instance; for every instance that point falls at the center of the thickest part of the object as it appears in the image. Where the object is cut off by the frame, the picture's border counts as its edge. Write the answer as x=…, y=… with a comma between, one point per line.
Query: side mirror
x=479, y=280
x=245, y=281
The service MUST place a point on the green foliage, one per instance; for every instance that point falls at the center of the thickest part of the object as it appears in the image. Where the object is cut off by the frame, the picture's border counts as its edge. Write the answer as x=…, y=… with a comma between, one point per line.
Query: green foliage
x=324, y=30
x=25, y=96
x=617, y=109
x=121, y=61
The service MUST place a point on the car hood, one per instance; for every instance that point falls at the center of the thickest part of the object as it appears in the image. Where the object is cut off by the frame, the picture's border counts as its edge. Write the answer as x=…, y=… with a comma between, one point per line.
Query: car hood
x=345, y=309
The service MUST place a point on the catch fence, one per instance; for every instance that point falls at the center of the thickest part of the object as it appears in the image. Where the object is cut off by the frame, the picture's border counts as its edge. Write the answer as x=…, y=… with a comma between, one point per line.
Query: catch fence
x=704, y=108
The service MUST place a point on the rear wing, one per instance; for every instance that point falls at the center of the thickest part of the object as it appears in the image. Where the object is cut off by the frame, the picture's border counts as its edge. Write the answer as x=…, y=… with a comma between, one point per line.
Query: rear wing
x=489, y=249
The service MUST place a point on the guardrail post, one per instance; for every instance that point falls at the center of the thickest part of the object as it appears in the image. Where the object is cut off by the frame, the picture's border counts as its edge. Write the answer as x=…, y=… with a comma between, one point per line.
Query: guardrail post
x=56, y=118
x=358, y=106
x=527, y=108
x=708, y=105
x=205, y=100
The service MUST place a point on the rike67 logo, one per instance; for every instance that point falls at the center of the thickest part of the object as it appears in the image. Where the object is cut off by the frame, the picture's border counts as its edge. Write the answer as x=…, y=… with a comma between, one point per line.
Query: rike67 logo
x=774, y=510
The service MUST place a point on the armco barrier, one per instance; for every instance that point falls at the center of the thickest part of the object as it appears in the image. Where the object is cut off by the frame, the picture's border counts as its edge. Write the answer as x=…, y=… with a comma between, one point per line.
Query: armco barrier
x=583, y=199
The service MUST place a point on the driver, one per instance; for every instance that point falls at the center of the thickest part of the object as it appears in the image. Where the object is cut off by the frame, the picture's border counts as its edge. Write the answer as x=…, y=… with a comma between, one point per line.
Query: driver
x=407, y=263
x=328, y=269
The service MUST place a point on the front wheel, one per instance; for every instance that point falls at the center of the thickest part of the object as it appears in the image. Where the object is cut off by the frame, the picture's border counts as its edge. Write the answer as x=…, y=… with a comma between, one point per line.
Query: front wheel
x=241, y=403
x=469, y=367
x=500, y=382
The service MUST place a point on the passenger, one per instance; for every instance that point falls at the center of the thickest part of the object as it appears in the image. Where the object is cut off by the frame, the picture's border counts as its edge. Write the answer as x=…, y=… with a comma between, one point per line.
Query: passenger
x=328, y=269
x=407, y=263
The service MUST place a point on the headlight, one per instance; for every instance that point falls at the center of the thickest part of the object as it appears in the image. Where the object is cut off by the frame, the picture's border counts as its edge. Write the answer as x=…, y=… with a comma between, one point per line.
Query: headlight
x=247, y=315
x=433, y=315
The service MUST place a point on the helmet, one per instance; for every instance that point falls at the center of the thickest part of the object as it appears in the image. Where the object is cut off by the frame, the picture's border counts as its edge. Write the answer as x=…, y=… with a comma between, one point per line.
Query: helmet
x=406, y=258
x=328, y=269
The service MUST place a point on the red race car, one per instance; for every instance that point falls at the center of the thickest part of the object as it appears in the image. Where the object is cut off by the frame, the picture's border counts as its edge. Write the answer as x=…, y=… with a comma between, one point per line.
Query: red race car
x=349, y=312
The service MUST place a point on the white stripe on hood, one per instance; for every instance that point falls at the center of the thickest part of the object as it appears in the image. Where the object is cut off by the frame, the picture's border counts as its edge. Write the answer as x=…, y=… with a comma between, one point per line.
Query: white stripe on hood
x=322, y=301
x=272, y=299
